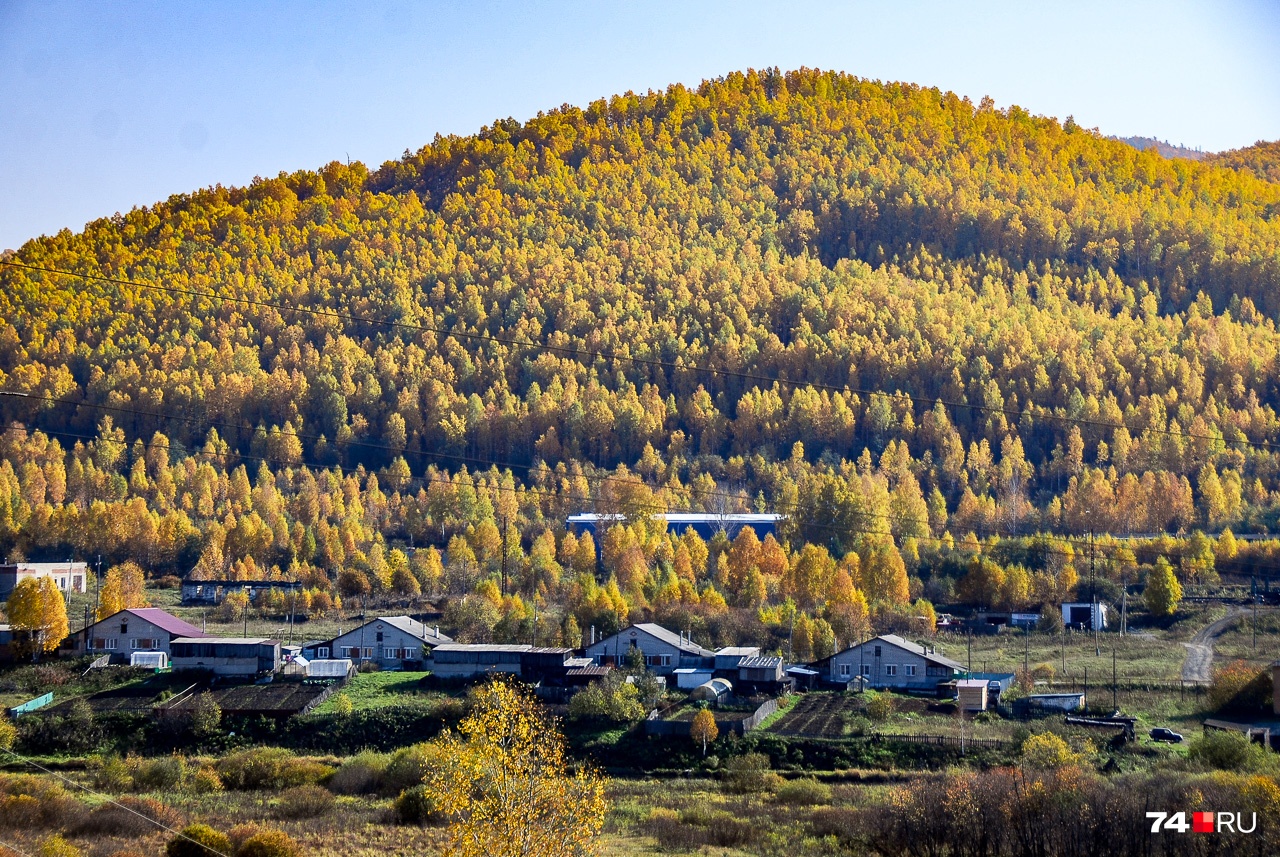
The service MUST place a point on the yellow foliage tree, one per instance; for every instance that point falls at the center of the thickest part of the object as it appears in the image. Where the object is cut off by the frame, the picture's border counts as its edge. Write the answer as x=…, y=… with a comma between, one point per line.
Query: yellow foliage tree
x=703, y=729
x=36, y=606
x=505, y=787
x=122, y=589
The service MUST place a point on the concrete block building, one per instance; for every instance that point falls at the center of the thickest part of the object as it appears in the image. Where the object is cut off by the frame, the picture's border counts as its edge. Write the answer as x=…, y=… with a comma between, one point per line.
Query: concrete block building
x=664, y=651
x=889, y=661
x=136, y=629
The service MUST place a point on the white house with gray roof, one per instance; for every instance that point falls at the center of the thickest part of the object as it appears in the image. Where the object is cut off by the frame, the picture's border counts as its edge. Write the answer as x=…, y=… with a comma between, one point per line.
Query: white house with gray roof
x=664, y=651
x=890, y=661
x=392, y=642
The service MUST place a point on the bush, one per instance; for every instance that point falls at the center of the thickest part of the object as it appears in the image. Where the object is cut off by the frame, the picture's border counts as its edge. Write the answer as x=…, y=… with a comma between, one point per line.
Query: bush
x=56, y=846
x=1241, y=688
x=1047, y=751
x=169, y=581
x=205, y=781
x=268, y=843
x=110, y=774
x=417, y=805
x=198, y=840
x=342, y=704
x=8, y=733
x=1226, y=751
x=880, y=707
x=749, y=773
x=304, y=802
x=804, y=792
x=159, y=775
x=409, y=767
x=127, y=816
x=361, y=774
x=267, y=768
x=20, y=812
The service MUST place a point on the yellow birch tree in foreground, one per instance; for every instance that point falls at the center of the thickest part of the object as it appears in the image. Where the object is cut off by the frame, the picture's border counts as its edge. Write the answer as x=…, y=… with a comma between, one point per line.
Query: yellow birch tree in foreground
x=37, y=606
x=505, y=786
x=704, y=728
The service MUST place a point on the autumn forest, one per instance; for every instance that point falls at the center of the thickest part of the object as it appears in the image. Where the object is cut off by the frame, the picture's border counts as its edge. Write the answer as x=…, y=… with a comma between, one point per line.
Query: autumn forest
x=947, y=342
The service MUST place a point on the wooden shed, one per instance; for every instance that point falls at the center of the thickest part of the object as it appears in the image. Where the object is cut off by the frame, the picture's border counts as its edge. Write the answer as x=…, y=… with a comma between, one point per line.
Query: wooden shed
x=972, y=694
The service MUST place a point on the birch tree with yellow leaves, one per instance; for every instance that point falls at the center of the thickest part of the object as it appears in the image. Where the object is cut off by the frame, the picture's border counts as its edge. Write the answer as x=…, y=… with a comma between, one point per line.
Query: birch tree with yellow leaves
x=506, y=788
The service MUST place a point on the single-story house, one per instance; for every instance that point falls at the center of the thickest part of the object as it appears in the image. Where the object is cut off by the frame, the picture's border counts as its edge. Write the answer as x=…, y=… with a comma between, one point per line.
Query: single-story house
x=230, y=656
x=664, y=651
x=210, y=592
x=893, y=662
x=393, y=642
x=134, y=629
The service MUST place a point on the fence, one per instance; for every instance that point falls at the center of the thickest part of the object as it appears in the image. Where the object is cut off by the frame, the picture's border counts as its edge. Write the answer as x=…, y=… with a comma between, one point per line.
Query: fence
x=946, y=741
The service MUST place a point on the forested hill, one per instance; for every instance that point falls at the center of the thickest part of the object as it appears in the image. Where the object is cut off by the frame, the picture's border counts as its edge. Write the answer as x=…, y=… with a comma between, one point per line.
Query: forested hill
x=618, y=286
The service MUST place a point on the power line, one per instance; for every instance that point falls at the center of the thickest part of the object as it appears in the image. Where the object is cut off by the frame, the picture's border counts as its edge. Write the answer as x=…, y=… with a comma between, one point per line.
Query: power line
x=109, y=799
x=602, y=354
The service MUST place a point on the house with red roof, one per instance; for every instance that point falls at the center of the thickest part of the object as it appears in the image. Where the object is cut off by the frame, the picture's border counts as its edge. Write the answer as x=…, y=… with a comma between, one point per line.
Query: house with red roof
x=135, y=629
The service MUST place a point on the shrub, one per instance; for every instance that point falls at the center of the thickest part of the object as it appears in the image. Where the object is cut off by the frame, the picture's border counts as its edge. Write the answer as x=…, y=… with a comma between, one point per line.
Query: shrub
x=342, y=704
x=361, y=774
x=56, y=846
x=1047, y=751
x=169, y=581
x=268, y=843
x=159, y=775
x=8, y=733
x=309, y=801
x=205, y=781
x=19, y=811
x=267, y=768
x=417, y=805
x=804, y=792
x=1226, y=751
x=111, y=774
x=127, y=816
x=749, y=773
x=198, y=840
x=1240, y=687
x=880, y=707
x=409, y=767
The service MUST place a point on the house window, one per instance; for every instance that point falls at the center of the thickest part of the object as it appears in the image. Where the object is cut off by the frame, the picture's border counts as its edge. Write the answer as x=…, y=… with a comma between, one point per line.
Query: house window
x=658, y=660
x=368, y=653
x=105, y=643
x=124, y=627
x=323, y=652
x=866, y=669
x=937, y=671
x=410, y=654
x=846, y=669
x=911, y=669
x=890, y=669
x=348, y=651
x=379, y=637
x=877, y=651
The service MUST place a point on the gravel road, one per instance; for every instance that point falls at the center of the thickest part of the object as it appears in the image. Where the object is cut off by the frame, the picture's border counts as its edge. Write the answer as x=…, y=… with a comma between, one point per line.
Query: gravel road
x=1198, y=667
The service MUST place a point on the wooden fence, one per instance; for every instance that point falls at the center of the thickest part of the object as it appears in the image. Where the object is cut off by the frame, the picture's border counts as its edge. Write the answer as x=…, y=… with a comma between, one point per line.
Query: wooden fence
x=945, y=741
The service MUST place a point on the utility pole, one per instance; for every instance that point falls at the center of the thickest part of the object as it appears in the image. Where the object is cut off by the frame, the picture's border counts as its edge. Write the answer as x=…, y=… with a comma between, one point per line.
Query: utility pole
x=1026, y=653
x=1254, y=588
x=1115, y=703
x=1124, y=600
x=1093, y=587
x=970, y=636
x=504, y=557
x=97, y=587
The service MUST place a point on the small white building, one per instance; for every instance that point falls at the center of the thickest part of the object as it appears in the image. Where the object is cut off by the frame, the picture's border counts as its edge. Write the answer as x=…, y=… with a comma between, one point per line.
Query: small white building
x=971, y=694
x=664, y=651
x=1085, y=615
x=392, y=642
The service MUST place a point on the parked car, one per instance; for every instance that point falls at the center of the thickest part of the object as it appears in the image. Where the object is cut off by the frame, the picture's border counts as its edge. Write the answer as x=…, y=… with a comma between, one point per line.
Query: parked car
x=1163, y=734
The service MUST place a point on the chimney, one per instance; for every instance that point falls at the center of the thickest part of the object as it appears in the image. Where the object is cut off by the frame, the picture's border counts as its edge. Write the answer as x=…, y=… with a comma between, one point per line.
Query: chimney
x=437, y=631
x=593, y=635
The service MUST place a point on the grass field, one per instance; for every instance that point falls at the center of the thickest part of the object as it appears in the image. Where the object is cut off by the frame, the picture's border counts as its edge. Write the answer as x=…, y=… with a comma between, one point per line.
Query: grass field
x=376, y=689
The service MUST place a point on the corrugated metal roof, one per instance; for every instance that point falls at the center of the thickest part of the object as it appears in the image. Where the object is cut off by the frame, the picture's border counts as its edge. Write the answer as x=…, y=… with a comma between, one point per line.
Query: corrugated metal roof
x=758, y=663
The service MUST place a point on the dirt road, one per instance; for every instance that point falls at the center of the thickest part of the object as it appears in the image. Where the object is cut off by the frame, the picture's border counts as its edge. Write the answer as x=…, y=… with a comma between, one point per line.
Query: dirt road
x=1198, y=667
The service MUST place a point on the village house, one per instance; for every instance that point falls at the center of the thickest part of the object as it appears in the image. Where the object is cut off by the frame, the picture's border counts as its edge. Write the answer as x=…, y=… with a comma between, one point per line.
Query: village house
x=392, y=642
x=69, y=576
x=664, y=651
x=890, y=661
x=135, y=629
x=225, y=656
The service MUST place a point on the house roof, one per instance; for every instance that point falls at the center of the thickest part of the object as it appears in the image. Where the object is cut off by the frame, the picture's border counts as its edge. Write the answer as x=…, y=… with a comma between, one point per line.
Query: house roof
x=738, y=651
x=671, y=638
x=760, y=663
x=162, y=620
x=426, y=633
x=485, y=647
x=257, y=641
x=913, y=648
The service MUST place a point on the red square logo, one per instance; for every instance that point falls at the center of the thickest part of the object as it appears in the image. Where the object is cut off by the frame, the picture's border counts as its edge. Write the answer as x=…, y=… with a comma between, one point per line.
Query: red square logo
x=1202, y=822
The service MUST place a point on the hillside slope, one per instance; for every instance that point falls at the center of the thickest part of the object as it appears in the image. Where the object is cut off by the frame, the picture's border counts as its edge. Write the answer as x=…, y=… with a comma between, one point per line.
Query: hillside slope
x=619, y=285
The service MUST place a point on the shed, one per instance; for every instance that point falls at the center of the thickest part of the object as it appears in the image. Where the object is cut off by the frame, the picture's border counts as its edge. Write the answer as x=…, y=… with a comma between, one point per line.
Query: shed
x=713, y=691
x=730, y=657
x=972, y=694
x=687, y=678
x=150, y=660
x=329, y=668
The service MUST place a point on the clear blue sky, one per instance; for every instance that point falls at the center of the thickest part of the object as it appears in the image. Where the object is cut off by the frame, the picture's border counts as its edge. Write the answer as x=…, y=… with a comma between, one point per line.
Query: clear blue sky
x=109, y=105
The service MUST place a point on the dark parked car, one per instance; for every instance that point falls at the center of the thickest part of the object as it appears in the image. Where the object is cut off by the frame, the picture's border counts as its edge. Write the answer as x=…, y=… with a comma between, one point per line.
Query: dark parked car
x=1162, y=734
